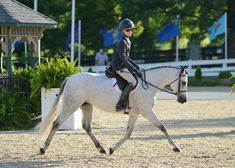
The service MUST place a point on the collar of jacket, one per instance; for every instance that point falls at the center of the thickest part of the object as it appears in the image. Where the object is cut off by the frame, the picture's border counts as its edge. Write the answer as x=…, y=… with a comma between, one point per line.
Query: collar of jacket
x=126, y=39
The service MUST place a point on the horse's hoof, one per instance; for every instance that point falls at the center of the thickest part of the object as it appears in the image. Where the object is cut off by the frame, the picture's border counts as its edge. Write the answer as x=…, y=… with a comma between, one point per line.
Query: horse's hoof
x=176, y=150
x=42, y=151
x=110, y=151
x=102, y=151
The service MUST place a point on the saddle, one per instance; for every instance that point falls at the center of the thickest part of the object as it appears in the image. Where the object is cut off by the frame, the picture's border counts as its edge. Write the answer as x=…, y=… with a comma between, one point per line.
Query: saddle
x=112, y=74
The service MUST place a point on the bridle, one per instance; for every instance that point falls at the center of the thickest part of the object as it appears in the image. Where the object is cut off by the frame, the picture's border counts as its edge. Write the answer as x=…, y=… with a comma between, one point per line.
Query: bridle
x=145, y=84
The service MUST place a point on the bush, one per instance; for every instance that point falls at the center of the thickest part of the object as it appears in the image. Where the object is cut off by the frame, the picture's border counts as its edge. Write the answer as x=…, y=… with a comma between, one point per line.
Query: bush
x=198, y=74
x=225, y=75
x=23, y=72
x=14, y=113
x=51, y=74
x=233, y=86
x=90, y=70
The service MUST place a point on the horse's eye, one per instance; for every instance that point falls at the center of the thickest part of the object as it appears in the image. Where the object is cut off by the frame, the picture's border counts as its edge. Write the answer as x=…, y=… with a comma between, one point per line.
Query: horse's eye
x=184, y=83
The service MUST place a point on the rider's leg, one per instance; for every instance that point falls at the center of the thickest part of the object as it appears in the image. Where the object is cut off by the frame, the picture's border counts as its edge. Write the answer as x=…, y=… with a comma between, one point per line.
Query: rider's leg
x=125, y=93
x=120, y=105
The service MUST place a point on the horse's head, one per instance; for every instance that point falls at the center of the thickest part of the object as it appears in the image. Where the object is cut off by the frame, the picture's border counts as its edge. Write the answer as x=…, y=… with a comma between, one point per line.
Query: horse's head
x=180, y=85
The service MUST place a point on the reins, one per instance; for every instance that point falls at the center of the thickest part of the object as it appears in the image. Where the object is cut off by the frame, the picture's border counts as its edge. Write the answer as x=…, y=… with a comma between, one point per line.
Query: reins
x=167, y=90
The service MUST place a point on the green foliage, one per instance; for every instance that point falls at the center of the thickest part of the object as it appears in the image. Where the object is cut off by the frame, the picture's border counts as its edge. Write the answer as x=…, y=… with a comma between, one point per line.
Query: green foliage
x=51, y=74
x=233, y=88
x=90, y=70
x=149, y=16
x=232, y=79
x=23, y=72
x=13, y=111
x=198, y=73
x=225, y=75
x=208, y=81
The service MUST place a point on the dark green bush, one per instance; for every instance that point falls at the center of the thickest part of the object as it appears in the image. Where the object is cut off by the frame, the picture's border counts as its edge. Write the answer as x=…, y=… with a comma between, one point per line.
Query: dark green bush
x=14, y=113
x=225, y=75
x=209, y=81
x=198, y=73
x=90, y=70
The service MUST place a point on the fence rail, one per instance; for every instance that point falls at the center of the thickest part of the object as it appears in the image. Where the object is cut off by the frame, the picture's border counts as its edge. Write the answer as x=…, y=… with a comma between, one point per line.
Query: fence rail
x=208, y=67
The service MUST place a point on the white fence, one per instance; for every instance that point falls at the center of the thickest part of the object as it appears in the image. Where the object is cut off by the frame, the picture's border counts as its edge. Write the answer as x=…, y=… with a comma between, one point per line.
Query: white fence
x=222, y=65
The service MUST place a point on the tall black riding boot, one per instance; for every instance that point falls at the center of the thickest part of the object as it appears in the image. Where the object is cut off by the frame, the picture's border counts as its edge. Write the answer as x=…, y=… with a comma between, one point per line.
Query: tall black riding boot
x=120, y=105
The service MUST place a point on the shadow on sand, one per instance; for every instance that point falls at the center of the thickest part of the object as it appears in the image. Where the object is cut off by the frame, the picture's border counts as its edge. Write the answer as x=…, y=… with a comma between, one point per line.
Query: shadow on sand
x=27, y=164
x=205, y=123
x=184, y=136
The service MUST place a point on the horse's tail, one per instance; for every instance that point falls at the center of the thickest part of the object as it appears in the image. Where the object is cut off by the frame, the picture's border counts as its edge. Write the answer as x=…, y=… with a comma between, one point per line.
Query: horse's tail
x=47, y=124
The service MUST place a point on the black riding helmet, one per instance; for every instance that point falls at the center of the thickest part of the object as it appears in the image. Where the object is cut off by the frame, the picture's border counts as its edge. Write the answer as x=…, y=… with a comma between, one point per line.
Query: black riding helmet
x=126, y=23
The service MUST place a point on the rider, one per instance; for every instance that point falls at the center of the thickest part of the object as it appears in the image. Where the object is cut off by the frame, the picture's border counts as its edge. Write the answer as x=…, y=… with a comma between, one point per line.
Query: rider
x=122, y=63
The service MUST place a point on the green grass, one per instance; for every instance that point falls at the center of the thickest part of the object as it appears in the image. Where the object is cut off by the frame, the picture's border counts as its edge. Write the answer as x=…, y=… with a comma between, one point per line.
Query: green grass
x=210, y=81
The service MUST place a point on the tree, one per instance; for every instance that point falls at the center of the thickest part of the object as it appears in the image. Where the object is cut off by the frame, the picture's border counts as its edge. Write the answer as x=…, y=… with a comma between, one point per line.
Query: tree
x=149, y=16
x=231, y=28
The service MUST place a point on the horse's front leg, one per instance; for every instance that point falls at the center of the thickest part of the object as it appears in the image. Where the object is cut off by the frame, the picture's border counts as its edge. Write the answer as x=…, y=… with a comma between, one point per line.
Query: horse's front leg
x=87, y=115
x=130, y=127
x=151, y=116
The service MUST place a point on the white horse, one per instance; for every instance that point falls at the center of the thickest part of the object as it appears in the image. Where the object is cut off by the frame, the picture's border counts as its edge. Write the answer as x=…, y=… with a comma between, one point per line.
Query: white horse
x=85, y=90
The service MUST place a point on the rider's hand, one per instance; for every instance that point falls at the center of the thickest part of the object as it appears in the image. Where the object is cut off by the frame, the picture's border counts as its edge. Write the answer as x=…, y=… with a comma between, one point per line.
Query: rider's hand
x=139, y=74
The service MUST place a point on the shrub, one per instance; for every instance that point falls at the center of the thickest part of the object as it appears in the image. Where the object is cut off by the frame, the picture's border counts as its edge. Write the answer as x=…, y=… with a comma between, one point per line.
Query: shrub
x=90, y=70
x=233, y=86
x=13, y=111
x=23, y=72
x=51, y=74
x=225, y=74
x=198, y=74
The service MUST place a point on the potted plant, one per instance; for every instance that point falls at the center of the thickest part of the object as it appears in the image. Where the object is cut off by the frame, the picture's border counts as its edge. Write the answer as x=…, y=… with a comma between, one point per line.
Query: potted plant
x=47, y=79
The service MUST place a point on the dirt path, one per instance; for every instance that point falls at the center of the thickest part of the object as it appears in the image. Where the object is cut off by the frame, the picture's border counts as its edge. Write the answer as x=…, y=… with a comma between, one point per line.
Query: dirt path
x=204, y=130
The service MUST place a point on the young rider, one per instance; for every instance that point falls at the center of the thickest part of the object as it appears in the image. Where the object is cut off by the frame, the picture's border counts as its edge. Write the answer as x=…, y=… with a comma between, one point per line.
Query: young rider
x=122, y=63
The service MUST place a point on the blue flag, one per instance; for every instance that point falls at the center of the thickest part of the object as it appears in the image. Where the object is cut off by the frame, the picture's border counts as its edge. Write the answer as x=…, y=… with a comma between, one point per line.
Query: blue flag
x=18, y=44
x=110, y=36
x=68, y=40
x=217, y=28
x=167, y=32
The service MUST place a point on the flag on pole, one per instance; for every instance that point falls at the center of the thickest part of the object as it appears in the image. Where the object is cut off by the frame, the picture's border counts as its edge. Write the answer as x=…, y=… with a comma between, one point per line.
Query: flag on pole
x=110, y=37
x=217, y=28
x=18, y=44
x=169, y=31
x=68, y=40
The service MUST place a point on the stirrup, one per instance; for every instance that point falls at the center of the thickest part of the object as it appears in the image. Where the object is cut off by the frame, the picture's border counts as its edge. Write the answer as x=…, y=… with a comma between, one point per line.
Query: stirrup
x=120, y=107
x=123, y=108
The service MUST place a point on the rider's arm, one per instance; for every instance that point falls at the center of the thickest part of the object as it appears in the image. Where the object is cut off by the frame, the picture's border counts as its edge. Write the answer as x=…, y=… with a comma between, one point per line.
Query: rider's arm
x=134, y=64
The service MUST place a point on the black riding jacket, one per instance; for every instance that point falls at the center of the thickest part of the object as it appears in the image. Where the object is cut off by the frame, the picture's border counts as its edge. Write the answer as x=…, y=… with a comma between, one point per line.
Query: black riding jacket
x=121, y=58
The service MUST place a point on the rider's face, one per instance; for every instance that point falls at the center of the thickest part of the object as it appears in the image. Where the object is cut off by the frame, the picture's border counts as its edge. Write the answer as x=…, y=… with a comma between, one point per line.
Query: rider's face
x=128, y=32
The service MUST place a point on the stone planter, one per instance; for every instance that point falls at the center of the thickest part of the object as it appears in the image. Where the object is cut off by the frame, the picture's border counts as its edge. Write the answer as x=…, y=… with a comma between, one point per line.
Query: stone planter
x=47, y=99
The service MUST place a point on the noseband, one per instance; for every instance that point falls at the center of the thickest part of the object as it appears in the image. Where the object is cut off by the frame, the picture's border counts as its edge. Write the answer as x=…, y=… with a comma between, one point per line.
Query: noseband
x=145, y=84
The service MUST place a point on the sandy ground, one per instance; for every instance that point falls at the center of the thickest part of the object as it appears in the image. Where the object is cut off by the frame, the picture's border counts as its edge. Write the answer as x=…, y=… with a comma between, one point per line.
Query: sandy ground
x=204, y=130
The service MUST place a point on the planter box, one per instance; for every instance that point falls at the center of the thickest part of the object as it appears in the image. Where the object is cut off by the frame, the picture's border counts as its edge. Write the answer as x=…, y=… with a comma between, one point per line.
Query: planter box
x=47, y=99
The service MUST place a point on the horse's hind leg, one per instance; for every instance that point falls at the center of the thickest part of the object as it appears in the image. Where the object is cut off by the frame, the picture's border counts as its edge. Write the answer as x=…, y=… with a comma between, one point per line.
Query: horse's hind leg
x=130, y=127
x=87, y=115
x=56, y=125
x=151, y=116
